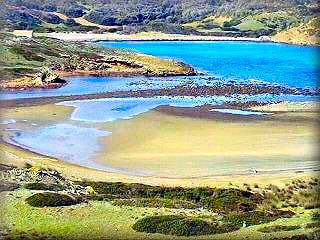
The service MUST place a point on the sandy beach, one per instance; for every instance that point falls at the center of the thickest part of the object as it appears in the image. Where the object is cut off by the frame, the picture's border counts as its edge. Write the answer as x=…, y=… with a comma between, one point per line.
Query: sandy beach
x=146, y=36
x=224, y=141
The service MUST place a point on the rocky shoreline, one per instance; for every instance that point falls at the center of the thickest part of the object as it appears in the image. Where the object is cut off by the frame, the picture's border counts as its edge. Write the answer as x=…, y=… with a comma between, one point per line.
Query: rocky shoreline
x=46, y=61
x=218, y=89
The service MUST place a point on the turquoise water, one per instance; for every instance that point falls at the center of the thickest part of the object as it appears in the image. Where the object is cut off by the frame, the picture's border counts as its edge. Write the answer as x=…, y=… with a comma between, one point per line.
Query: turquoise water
x=296, y=66
x=236, y=62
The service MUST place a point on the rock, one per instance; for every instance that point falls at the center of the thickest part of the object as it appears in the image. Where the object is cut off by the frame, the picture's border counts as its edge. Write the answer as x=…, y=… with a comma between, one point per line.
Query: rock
x=90, y=190
x=8, y=186
x=46, y=77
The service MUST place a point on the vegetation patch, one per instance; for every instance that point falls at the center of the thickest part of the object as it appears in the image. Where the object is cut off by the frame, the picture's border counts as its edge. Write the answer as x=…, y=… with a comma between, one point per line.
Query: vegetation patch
x=251, y=25
x=155, y=203
x=255, y=217
x=8, y=186
x=219, y=200
x=49, y=199
x=277, y=228
x=181, y=226
x=313, y=225
x=307, y=236
x=43, y=186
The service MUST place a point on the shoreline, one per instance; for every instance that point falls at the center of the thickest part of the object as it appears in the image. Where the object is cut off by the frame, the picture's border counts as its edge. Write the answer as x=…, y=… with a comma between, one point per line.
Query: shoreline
x=158, y=37
x=95, y=37
x=77, y=172
x=8, y=141
x=109, y=175
x=198, y=91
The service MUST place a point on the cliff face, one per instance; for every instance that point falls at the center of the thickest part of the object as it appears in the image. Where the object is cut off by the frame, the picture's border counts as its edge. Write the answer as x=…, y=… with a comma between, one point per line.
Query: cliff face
x=42, y=62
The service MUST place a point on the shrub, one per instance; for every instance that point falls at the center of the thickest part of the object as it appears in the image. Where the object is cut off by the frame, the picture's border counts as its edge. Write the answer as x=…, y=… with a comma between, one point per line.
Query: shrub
x=43, y=186
x=220, y=200
x=180, y=226
x=49, y=199
x=313, y=225
x=256, y=217
x=226, y=200
x=8, y=186
x=247, y=219
x=312, y=204
x=155, y=203
x=277, y=228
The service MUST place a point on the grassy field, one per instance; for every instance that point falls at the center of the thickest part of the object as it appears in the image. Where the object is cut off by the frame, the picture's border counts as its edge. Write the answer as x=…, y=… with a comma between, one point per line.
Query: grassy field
x=102, y=220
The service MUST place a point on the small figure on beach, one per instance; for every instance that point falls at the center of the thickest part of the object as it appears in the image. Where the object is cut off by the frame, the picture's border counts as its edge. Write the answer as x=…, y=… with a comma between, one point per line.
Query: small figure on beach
x=253, y=171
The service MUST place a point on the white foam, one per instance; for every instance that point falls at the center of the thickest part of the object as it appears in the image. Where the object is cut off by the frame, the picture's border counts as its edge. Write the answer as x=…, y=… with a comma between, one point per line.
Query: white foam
x=111, y=109
x=10, y=121
x=238, y=112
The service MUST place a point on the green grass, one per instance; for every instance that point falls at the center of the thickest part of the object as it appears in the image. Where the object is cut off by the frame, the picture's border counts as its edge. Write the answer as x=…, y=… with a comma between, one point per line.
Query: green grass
x=251, y=25
x=51, y=199
x=155, y=203
x=100, y=219
x=181, y=226
x=278, y=228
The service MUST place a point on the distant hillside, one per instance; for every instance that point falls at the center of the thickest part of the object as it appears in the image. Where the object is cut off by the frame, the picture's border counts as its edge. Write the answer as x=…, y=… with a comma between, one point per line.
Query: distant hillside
x=241, y=17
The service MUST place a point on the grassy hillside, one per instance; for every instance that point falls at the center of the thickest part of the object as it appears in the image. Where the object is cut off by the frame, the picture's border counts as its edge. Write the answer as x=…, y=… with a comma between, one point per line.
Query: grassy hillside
x=111, y=210
x=24, y=59
x=241, y=18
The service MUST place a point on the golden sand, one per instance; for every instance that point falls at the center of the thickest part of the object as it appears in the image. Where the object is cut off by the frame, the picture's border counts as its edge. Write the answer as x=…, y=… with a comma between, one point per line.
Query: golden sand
x=172, y=146
x=44, y=114
x=289, y=107
x=11, y=155
x=175, y=148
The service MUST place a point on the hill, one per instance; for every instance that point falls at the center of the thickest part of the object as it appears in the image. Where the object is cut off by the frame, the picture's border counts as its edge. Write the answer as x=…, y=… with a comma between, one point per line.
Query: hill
x=251, y=18
x=40, y=62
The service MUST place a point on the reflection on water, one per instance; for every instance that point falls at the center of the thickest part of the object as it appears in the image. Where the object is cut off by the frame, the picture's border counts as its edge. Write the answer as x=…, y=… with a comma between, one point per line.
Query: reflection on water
x=238, y=112
x=111, y=109
x=62, y=141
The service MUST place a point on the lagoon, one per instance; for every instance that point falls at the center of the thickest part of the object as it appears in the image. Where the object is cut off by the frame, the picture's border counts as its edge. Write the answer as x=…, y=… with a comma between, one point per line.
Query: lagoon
x=131, y=136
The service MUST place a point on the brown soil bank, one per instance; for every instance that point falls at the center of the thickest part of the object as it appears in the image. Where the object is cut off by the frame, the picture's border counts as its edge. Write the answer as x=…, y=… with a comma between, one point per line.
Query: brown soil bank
x=40, y=62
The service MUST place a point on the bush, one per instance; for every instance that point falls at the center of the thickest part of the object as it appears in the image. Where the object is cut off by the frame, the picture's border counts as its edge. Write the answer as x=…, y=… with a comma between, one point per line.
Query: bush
x=180, y=226
x=49, y=199
x=155, y=203
x=43, y=186
x=277, y=228
x=220, y=200
x=227, y=200
x=247, y=219
x=312, y=204
x=256, y=217
x=313, y=225
x=8, y=186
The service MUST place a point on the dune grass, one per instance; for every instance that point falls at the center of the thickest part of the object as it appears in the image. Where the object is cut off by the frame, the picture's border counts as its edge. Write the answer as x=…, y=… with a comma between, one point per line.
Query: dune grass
x=103, y=220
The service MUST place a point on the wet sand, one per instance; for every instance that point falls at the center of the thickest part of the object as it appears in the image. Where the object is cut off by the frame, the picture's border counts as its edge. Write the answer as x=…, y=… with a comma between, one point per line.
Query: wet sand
x=12, y=155
x=165, y=145
x=187, y=150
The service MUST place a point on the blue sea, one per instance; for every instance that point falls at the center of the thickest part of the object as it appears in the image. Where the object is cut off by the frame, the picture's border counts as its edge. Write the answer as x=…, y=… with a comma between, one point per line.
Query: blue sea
x=296, y=66
x=219, y=62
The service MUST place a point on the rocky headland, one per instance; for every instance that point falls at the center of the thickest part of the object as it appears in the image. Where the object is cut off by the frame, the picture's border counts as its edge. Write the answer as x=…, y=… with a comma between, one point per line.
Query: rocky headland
x=43, y=62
